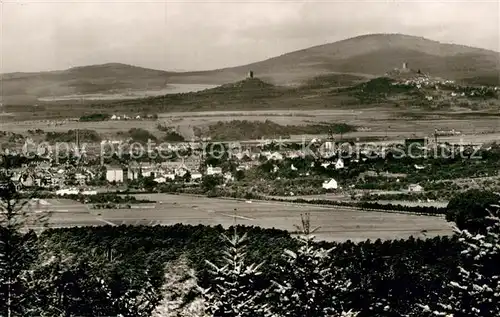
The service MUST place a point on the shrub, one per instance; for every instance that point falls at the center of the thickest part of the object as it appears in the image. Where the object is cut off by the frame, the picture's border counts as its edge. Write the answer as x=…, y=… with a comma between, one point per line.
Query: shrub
x=173, y=136
x=141, y=135
x=95, y=117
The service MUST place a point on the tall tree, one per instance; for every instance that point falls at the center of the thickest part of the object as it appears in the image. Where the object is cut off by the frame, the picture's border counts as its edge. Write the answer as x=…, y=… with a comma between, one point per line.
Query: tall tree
x=17, y=248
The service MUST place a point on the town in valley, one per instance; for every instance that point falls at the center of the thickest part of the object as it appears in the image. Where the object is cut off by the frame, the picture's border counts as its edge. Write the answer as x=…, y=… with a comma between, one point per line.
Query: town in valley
x=327, y=174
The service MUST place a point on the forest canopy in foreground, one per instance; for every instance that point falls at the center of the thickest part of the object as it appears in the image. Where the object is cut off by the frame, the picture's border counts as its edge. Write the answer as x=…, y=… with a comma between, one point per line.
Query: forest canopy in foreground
x=185, y=270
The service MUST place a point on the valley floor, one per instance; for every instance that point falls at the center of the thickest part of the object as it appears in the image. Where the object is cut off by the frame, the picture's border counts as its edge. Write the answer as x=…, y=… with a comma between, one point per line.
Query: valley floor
x=337, y=223
x=372, y=123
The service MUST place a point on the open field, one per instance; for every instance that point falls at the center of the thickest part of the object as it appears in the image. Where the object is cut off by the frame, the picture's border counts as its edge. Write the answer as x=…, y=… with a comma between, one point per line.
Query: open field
x=378, y=121
x=337, y=224
x=102, y=127
x=374, y=122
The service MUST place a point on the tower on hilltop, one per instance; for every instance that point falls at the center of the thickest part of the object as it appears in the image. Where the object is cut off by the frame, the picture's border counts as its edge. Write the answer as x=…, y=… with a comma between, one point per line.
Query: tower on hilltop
x=250, y=74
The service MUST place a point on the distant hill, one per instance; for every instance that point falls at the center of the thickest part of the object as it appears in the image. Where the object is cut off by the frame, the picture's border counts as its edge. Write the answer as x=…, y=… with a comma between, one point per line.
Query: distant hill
x=106, y=78
x=375, y=55
x=363, y=56
x=249, y=92
x=249, y=88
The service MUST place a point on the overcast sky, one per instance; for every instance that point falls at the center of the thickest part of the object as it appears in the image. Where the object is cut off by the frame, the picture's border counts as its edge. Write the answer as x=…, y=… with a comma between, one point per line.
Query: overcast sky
x=195, y=35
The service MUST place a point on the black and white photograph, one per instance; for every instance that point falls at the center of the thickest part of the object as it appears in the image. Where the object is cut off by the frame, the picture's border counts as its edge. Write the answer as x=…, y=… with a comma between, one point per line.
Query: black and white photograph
x=249, y=158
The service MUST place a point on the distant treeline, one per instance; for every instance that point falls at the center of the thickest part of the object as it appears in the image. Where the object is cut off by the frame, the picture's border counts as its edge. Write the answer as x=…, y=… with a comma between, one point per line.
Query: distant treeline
x=94, y=199
x=95, y=117
x=139, y=135
x=171, y=135
x=421, y=210
x=103, y=198
x=107, y=116
x=36, y=132
x=84, y=135
x=251, y=130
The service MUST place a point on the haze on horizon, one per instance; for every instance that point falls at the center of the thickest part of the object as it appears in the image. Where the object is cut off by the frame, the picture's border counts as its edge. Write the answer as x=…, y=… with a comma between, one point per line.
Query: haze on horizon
x=200, y=35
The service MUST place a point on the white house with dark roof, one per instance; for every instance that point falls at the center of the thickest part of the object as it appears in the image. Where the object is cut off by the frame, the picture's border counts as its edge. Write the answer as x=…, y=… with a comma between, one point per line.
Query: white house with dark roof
x=330, y=184
x=339, y=164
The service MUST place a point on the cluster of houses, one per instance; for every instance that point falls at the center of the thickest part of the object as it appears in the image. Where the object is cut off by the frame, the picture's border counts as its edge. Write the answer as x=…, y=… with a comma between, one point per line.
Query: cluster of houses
x=452, y=89
x=171, y=170
x=482, y=91
x=160, y=172
x=44, y=174
x=446, y=132
x=123, y=117
x=126, y=117
x=164, y=172
x=192, y=169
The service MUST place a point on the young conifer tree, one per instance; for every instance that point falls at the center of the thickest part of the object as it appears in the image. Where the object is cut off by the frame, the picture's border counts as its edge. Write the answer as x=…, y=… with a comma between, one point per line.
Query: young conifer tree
x=309, y=285
x=234, y=290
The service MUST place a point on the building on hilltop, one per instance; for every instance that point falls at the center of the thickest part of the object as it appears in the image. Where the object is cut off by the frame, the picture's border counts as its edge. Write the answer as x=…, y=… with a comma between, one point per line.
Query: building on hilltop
x=405, y=68
x=250, y=74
